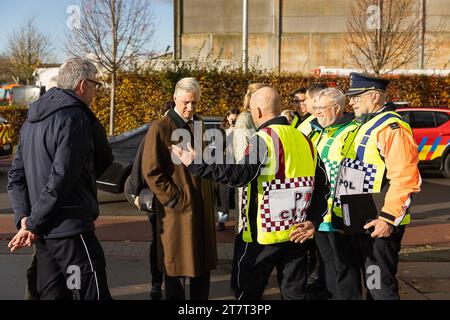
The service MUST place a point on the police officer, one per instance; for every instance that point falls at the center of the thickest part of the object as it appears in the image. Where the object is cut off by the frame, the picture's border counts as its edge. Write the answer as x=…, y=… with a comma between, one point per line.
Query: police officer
x=330, y=129
x=285, y=198
x=311, y=92
x=381, y=156
x=316, y=271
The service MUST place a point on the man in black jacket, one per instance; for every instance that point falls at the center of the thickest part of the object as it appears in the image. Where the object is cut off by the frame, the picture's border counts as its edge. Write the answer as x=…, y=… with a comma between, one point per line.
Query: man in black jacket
x=51, y=184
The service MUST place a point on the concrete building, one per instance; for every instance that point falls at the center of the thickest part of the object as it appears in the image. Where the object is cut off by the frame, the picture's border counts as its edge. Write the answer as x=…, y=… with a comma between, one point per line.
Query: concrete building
x=287, y=35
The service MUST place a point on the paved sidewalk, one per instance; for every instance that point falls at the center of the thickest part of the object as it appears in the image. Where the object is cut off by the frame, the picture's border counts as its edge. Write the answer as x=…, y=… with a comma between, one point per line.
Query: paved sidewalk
x=424, y=268
x=129, y=277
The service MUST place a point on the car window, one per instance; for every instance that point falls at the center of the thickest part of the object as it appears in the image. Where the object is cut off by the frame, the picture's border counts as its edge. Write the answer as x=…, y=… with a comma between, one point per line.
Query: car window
x=405, y=115
x=423, y=119
x=441, y=118
x=211, y=124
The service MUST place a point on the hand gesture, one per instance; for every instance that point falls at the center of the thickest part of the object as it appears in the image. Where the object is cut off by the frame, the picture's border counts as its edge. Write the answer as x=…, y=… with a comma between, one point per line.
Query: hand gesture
x=23, y=238
x=303, y=232
x=382, y=228
x=186, y=157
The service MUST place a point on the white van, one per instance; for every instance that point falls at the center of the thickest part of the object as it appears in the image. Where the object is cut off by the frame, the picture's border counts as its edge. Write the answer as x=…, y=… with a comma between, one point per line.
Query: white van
x=24, y=95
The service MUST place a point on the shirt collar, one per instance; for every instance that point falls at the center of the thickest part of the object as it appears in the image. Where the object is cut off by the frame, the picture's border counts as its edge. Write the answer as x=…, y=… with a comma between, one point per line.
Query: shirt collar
x=183, y=118
x=276, y=120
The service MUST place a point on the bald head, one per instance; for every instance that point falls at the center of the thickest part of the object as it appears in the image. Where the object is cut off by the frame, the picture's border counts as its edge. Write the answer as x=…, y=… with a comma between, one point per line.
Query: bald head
x=265, y=104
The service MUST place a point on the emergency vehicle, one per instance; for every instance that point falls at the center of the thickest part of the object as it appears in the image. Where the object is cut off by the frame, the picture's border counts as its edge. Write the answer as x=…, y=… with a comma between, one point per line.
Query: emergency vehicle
x=6, y=146
x=5, y=93
x=431, y=129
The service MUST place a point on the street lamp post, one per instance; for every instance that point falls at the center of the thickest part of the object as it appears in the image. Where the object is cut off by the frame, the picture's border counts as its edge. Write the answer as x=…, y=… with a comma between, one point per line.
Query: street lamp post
x=245, y=36
x=424, y=29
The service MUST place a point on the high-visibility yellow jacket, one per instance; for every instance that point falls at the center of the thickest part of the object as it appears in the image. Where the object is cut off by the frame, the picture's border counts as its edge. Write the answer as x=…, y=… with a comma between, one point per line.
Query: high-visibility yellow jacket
x=284, y=186
x=330, y=142
x=305, y=126
x=383, y=150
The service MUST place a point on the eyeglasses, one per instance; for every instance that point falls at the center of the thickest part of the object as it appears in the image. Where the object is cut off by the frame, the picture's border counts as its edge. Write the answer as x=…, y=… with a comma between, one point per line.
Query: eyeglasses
x=298, y=101
x=98, y=85
x=317, y=109
x=359, y=97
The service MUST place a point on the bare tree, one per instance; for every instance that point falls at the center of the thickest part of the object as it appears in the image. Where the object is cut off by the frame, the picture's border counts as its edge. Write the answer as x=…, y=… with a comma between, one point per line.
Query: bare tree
x=386, y=34
x=4, y=69
x=111, y=33
x=27, y=49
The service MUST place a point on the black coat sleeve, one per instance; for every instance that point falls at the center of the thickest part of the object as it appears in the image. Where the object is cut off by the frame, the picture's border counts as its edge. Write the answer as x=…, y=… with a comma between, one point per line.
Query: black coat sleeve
x=137, y=181
x=18, y=189
x=319, y=202
x=235, y=175
x=103, y=156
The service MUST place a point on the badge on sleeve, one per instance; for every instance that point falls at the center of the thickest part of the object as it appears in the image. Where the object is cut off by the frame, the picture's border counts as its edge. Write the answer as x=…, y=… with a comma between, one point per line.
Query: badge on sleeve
x=394, y=126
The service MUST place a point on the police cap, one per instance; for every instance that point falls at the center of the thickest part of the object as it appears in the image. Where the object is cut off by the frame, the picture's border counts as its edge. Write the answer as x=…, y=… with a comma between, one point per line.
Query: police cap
x=360, y=83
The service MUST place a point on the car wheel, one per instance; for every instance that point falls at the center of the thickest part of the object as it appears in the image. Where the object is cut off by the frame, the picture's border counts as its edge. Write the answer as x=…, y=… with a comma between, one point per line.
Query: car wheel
x=446, y=166
x=127, y=192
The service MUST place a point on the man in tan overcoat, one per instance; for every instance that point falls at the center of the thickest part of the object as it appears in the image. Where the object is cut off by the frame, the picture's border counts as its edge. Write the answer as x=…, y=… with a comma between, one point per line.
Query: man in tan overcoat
x=185, y=212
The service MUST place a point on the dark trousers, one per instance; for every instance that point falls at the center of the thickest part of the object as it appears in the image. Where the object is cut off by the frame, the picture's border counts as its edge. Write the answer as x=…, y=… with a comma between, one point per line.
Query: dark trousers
x=198, y=287
x=31, y=292
x=239, y=248
x=316, y=270
x=379, y=260
x=342, y=272
x=71, y=268
x=157, y=275
x=257, y=263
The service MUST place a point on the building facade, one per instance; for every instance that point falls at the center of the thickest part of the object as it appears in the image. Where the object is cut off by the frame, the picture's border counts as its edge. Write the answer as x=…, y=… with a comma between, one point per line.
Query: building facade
x=288, y=35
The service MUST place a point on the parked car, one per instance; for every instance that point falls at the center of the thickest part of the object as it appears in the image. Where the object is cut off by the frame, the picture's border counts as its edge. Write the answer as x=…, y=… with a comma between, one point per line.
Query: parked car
x=124, y=148
x=431, y=129
x=5, y=93
x=16, y=94
x=25, y=95
x=6, y=146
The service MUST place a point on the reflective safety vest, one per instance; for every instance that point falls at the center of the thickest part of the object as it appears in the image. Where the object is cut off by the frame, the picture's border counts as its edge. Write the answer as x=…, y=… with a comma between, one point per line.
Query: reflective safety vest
x=363, y=169
x=296, y=121
x=305, y=126
x=284, y=186
x=330, y=143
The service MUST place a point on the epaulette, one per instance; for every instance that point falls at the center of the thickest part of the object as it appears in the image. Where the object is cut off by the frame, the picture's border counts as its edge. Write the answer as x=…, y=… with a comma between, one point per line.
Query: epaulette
x=394, y=125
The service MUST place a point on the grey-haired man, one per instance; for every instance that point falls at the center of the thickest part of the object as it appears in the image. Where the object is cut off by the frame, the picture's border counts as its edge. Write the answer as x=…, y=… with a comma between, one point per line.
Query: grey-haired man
x=51, y=184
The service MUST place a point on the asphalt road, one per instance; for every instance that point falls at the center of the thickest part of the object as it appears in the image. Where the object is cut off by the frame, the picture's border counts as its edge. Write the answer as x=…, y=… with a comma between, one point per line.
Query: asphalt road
x=110, y=204
x=432, y=203
x=418, y=280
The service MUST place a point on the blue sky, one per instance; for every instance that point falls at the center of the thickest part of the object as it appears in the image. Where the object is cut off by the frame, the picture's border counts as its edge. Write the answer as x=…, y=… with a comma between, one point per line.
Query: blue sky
x=50, y=17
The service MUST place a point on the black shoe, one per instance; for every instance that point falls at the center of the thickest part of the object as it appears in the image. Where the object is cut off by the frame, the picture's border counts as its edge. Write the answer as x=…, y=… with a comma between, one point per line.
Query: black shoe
x=221, y=226
x=155, y=293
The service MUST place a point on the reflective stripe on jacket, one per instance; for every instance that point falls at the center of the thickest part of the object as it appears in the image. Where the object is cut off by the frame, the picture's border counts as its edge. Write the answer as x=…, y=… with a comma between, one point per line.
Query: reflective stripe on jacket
x=383, y=148
x=305, y=126
x=330, y=142
x=285, y=185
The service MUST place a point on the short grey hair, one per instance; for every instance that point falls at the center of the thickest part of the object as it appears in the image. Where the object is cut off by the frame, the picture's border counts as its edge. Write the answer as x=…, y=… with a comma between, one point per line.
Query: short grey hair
x=73, y=71
x=188, y=85
x=335, y=95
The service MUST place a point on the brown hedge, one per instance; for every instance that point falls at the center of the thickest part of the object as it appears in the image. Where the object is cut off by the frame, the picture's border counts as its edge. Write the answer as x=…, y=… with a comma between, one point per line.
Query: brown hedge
x=140, y=97
x=15, y=115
